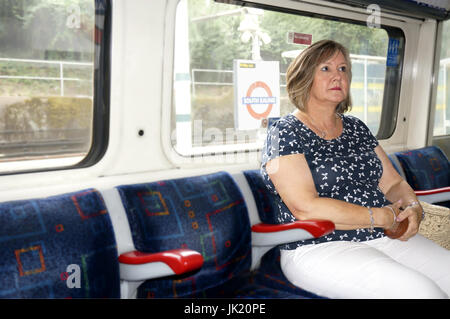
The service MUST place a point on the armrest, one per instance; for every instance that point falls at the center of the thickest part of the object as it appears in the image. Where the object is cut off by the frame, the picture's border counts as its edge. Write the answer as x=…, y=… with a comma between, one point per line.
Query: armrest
x=434, y=195
x=138, y=266
x=271, y=234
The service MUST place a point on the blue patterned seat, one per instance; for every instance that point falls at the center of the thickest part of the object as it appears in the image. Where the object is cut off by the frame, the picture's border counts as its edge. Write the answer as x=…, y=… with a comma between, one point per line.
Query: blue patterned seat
x=426, y=169
x=263, y=198
x=207, y=214
x=58, y=247
x=397, y=165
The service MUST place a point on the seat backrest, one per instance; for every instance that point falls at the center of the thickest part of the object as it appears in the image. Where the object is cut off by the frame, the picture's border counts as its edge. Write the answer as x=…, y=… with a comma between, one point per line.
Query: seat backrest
x=398, y=167
x=265, y=201
x=271, y=120
x=205, y=213
x=425, y=168
x=58, y=247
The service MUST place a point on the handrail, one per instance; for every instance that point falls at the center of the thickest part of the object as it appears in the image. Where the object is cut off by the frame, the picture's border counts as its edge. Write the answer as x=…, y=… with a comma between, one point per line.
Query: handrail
x=61, y=77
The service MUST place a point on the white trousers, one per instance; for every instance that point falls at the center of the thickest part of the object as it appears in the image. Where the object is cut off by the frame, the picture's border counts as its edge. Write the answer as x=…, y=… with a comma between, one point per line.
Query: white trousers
x=380, y=268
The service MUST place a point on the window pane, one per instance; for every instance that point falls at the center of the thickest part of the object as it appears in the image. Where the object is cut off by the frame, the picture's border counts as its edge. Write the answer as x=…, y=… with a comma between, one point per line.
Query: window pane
x=211, y=36
x=46, y=75
x=442, y=111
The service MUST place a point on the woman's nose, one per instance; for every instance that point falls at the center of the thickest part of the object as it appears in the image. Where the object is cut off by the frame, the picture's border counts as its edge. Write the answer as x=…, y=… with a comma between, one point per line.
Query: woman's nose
x=337, y=75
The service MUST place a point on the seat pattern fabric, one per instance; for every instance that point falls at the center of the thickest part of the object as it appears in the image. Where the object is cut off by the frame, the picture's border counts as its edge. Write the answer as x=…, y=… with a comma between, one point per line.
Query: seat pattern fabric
x=58, y=247
x=264, y=200
x=205, y=213
x=270, y=275
x=425, y=168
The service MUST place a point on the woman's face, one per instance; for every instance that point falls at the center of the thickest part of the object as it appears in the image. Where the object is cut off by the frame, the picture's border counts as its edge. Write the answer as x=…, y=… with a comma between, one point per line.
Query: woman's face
x=331, y=81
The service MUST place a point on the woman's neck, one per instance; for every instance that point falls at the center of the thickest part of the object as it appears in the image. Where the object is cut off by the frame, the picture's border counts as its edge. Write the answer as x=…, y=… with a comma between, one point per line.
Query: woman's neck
x=323, y=121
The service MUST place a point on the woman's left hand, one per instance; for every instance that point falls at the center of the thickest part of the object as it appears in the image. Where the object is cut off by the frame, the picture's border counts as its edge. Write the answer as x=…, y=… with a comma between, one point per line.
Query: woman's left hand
x=414, y=216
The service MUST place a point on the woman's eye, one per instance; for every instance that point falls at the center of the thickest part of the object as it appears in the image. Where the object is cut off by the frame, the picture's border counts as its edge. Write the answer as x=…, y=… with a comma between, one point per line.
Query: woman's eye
x=343, y=69
x=324, y=68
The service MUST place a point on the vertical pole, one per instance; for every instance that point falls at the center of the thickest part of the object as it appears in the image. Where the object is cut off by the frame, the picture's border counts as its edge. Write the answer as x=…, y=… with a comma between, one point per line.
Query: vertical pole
x=61, y=77
x=182, y=84
x=365, y=91
x=444, y=106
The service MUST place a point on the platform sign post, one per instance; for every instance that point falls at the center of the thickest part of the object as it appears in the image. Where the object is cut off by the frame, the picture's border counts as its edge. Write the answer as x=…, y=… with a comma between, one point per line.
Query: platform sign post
x=256, y=91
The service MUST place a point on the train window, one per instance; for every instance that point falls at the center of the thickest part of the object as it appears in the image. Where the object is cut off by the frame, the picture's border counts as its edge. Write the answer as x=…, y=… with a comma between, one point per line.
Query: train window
x=218, y=44
x=50, y=54
x=442, y=109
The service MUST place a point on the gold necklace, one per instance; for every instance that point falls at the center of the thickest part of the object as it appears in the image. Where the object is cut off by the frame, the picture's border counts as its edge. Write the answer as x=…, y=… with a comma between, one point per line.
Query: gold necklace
x=322, y=133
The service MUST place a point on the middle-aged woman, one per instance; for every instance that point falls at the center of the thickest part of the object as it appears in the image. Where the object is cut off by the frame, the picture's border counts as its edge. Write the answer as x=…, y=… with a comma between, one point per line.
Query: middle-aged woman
x=321, y=164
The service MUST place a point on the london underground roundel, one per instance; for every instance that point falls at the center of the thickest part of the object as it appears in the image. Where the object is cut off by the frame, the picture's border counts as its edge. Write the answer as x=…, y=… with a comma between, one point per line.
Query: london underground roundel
x=250, y=100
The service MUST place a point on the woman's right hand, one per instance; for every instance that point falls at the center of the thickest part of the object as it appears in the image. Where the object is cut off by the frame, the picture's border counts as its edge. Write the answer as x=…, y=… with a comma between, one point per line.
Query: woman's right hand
x=391, y=223
x=396, y=229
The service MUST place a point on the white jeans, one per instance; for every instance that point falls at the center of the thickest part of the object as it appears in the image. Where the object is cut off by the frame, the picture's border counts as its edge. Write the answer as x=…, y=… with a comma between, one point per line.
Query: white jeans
x=380, y=268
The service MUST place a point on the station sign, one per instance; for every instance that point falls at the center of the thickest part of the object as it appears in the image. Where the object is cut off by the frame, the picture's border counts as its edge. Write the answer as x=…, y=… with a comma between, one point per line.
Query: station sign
x=299, y=38
x=256, y=91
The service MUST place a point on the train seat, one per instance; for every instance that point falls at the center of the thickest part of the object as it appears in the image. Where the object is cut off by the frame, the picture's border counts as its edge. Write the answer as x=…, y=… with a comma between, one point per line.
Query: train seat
x=427, y=171
x=58, y=247
x=270, y=262
x=207, y=214
x=397, y=165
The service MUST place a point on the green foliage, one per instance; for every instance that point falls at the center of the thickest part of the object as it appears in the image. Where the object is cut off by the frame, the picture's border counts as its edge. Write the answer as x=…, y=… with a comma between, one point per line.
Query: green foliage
x=38, y=29
x=215, y=41
x=50, y=113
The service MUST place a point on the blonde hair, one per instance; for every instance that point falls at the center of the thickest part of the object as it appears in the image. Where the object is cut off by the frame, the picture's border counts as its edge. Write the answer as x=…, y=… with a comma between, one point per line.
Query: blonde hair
x=300, y=73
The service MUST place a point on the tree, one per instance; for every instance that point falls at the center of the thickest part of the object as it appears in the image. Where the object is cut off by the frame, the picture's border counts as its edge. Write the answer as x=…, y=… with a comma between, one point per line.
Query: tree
x=215, y=42
x=44, y=29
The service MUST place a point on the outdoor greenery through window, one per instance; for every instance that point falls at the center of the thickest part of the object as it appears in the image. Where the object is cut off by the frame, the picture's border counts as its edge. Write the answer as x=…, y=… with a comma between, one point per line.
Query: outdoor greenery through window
x=211, y=37
x=442, y=111
x=46, y=75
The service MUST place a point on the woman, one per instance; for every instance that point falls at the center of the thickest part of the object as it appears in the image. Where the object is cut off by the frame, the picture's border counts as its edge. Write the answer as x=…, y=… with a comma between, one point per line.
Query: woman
x=320, y=164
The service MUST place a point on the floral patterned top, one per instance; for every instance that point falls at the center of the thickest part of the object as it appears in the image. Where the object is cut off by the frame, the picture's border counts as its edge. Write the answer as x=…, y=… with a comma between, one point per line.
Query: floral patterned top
x=345, y=168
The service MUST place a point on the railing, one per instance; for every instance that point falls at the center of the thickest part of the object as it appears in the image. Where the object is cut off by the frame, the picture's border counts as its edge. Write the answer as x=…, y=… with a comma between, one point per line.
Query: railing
x=59, y=64
x=364, y=60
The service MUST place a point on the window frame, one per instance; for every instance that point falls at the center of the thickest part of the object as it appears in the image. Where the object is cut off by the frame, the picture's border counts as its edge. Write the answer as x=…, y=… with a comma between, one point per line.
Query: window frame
x=100, y=102
x=441, y=141
x=393, y=83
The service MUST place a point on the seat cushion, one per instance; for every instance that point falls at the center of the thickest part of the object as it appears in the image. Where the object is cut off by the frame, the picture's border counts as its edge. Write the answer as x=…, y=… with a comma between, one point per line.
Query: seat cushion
x=270, y=275
x=425, y=168
x=205, y=213
x=58, y=247
x=248, y=286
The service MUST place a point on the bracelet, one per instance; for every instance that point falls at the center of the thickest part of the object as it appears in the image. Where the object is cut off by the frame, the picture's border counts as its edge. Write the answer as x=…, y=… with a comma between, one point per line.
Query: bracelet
x=395, y=216
x=372, y=222
x=414, y=203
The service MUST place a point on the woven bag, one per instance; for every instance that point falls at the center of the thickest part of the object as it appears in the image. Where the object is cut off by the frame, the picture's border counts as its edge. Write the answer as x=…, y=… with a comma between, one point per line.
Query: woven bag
x=436, y=224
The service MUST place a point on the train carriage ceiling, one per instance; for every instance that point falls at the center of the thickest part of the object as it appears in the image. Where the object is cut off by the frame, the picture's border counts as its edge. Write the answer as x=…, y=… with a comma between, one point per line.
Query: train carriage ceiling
x=432, y=9
x=422, y=9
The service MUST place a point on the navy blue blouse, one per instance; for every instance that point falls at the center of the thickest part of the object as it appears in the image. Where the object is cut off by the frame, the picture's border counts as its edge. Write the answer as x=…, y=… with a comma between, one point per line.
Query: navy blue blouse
x=345, y=168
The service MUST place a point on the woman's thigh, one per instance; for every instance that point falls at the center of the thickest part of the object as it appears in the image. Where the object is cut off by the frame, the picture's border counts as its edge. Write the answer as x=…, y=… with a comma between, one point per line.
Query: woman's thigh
x=421, y=254
x=343, y=269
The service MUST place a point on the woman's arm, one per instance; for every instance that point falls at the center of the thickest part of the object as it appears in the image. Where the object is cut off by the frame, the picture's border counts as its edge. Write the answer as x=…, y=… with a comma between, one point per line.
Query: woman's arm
x=292, y=179
x=396, y=188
